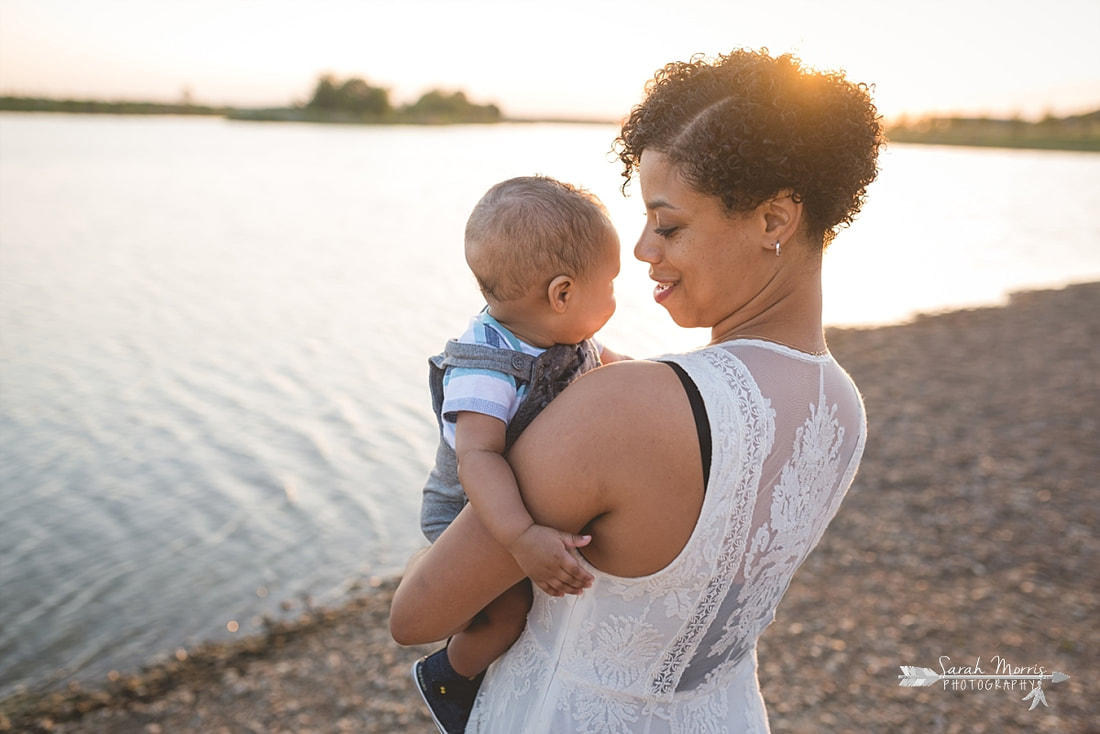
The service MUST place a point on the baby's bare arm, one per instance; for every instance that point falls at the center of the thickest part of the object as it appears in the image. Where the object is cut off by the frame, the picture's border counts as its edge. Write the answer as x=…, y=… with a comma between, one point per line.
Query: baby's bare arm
x=487, y=478
x=542, y=553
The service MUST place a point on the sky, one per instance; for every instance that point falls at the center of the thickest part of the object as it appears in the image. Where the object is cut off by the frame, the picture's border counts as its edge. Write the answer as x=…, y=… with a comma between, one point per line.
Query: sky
x=557, y=58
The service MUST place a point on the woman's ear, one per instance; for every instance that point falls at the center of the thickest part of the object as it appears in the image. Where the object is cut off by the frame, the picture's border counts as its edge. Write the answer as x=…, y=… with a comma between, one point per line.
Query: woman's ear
x=782, y=215
x=559, y=292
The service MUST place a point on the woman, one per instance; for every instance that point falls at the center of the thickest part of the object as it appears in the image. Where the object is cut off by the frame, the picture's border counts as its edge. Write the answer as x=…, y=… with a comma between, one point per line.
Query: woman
x=703, y=479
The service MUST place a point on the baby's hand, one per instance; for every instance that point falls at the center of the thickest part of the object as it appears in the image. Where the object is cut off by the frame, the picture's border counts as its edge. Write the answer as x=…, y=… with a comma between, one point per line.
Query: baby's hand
x=543, y=554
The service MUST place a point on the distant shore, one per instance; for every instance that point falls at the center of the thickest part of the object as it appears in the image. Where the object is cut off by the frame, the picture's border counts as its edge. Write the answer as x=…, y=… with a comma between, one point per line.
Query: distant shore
x=1079, y=133
x=264, y=114
x=970, y=532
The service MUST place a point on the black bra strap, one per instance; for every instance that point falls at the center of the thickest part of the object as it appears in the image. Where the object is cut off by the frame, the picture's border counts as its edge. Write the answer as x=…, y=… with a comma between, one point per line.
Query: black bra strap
x=702, y=423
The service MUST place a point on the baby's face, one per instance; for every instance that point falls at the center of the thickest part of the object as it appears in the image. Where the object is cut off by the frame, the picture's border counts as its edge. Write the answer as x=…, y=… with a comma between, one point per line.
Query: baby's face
x=593, y=297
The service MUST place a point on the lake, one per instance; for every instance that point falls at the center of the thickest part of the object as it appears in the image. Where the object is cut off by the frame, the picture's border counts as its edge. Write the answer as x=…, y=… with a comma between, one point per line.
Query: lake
x=214, y=334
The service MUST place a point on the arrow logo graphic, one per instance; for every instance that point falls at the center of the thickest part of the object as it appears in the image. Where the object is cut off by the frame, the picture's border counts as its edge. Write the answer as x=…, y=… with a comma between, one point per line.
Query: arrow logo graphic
x=1037, y=697
x=914, y=677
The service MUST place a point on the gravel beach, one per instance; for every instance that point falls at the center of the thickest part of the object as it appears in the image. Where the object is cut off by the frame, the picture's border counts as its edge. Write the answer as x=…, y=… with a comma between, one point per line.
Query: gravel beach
x=969, y=539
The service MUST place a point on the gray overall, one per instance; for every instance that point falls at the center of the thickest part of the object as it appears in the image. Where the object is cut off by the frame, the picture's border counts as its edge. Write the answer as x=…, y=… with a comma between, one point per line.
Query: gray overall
x=547, y=375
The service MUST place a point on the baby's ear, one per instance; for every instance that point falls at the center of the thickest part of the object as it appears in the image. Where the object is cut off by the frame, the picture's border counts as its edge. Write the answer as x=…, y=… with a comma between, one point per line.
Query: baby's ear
x=559, y=292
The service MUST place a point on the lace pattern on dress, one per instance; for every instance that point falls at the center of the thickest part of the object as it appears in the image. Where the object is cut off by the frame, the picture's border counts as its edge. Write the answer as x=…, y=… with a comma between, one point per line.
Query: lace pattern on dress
x=746, y=448
x=674, y=652
x=796, y=521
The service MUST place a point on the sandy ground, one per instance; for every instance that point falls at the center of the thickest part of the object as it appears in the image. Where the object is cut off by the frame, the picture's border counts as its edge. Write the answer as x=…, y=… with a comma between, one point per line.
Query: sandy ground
x=971, y=533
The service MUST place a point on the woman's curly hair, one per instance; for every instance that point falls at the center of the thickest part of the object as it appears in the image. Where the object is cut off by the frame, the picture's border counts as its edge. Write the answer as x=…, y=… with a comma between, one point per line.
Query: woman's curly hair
x=746, y=126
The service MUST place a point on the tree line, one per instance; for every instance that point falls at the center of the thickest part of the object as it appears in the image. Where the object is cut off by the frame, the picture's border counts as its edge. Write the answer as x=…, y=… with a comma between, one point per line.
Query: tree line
x=1076, y=132
x=354, y=100
x=93, y=106
x=350, y=100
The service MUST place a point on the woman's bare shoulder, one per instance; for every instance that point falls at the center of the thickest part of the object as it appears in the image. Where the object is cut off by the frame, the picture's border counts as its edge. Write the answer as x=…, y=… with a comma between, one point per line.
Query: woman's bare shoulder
x=617, y=453
x=609, y=430
x=616, y=402
x=627, y=384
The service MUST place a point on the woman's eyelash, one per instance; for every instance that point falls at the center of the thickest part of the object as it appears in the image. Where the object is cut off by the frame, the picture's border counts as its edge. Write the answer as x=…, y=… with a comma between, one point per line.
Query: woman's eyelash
x=664, y=231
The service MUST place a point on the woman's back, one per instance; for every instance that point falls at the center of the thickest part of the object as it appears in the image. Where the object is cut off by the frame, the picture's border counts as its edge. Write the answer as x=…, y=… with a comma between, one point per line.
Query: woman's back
x=675, y=650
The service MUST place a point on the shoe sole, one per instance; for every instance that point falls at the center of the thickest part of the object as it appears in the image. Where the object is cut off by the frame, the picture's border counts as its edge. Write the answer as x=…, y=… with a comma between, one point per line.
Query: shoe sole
x=423, y=697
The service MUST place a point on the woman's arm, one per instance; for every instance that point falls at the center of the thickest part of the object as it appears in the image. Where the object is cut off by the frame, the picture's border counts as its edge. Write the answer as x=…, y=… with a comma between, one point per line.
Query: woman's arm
x=451, y=581
x=542, y=553
x=614, y=455
x=445, y=585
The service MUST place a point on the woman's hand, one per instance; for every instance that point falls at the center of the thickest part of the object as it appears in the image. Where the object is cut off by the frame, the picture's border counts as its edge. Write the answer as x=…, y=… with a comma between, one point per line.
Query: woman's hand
x=543, y=554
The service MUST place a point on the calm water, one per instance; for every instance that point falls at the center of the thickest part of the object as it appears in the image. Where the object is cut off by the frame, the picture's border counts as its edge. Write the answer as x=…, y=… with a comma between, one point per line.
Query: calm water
x=213, y=339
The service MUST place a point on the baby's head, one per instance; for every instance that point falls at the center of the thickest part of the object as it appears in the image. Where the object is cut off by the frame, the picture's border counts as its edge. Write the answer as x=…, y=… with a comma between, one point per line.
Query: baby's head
x=534, y=235
x=527, y=230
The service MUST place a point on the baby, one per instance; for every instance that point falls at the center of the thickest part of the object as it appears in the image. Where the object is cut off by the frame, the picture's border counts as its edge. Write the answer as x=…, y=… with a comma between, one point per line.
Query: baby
x=544, y=254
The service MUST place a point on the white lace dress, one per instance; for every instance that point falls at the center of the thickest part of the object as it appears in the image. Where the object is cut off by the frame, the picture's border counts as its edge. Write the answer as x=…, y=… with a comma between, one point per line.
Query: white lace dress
x=676, y=651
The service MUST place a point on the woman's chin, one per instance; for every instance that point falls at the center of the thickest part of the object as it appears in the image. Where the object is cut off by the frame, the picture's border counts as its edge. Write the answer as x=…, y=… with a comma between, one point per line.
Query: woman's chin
x=682, y=320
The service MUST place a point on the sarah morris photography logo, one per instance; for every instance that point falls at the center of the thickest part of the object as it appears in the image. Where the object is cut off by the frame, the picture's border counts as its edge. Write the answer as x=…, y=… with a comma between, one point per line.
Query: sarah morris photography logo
x=1003, y=676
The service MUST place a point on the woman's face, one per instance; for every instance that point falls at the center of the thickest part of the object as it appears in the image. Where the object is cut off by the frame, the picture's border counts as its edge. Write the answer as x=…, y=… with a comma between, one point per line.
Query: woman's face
x=708, y=264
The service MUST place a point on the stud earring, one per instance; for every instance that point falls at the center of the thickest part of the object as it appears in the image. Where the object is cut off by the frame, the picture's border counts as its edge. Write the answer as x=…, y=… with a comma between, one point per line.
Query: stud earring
x=777, y=248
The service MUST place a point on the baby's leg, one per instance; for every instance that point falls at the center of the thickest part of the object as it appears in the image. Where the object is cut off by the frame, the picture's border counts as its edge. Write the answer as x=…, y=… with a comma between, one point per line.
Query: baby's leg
x=492, y=632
